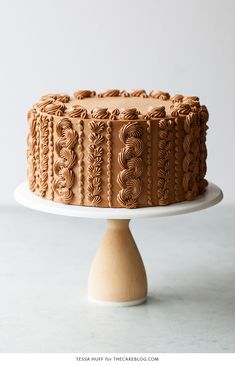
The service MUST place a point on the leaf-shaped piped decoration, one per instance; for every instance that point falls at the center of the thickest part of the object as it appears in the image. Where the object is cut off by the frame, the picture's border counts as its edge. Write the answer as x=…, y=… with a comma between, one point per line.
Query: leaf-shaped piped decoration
x=98, y=152
x=96, y=127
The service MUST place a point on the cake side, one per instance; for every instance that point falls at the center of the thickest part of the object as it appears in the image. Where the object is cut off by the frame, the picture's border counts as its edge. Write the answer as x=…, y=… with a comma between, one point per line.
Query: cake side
x=117, y=158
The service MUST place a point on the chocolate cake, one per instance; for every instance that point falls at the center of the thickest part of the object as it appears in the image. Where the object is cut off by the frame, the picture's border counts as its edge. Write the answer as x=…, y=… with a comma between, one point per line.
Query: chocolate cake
x=117, y=149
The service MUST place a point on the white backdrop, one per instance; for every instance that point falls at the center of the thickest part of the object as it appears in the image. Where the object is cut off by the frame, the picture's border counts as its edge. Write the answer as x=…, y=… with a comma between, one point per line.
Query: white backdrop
x=180, y=46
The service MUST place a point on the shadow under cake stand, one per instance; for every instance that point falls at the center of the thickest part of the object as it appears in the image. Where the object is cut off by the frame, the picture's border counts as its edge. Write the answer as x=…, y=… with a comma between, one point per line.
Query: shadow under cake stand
x=117, y=275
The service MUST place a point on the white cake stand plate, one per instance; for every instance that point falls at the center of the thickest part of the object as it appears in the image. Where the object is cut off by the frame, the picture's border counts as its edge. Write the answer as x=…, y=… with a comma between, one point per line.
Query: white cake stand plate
x=117, y=276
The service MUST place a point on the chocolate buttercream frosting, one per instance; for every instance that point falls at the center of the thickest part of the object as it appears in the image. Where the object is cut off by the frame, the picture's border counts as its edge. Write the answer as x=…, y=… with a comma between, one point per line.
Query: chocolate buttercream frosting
x=117, y=148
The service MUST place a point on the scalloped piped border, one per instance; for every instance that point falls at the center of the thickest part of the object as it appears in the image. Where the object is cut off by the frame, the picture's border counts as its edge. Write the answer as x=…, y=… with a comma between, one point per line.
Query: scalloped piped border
x=179, y=103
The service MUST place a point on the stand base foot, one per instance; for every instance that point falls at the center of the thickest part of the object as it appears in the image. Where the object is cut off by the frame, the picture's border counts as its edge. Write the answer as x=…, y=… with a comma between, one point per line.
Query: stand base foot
x=129, y=303
x=117, y=276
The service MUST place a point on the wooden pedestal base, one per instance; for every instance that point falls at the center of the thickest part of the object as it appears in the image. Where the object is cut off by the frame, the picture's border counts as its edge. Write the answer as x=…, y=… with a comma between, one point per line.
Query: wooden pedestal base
x=117, y=275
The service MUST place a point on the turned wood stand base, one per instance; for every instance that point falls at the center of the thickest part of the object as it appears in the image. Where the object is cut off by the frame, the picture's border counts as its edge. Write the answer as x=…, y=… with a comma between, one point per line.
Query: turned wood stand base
x=117, y=273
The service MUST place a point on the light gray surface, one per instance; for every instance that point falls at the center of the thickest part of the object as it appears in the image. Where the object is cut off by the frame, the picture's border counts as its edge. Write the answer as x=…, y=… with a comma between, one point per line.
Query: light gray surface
x=44, y=264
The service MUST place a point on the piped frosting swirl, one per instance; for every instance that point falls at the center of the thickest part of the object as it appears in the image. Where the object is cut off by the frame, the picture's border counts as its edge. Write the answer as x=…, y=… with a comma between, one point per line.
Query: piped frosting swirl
x=77, y=111
x=159, y=95
x=109, y=93
x=130, y=113
x=157, y=112
x=56, y=108
x=81, y=94
x=139, y=93
x=181, y=109
x=100, y=113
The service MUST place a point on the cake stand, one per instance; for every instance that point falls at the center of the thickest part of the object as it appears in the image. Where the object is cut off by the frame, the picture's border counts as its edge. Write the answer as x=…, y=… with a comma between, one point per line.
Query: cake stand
x=117, y=275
